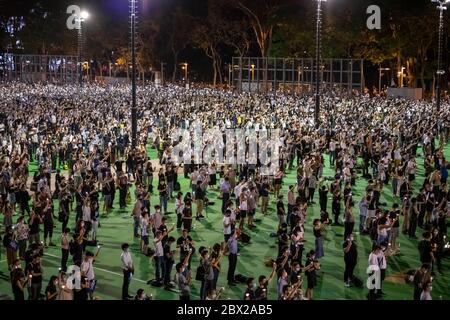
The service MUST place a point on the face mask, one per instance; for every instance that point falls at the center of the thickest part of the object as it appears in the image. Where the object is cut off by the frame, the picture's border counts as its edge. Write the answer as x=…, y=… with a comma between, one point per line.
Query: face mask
x=254, y=286
x=431, y=288
x=56, y=283
x=298, y=269
x=351, y=238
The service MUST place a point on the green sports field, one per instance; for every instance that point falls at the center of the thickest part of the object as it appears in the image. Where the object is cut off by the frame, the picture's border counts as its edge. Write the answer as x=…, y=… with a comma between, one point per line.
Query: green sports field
x=118, y=228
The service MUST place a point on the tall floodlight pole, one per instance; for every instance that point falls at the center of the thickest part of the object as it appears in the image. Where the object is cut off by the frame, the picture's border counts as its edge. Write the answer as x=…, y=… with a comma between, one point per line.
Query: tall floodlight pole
x=83, y=16
x=133, y=17
x=441, y=7
x=318, y=49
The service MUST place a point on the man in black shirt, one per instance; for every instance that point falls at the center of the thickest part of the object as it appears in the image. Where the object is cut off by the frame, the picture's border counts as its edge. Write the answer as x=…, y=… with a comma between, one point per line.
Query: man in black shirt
x=264, y=282
x=33, y=223
x=35, y=274
x=250, y=290
x=163, y=229
x=264, y=192
x=425, y=249
x=199, y=197
x=123, y=189
x=185, y=243
x=350, y=259
x=323, y=192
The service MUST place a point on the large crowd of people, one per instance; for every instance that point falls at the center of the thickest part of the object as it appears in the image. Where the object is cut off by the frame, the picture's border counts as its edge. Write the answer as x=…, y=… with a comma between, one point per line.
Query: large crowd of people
x=80, y=142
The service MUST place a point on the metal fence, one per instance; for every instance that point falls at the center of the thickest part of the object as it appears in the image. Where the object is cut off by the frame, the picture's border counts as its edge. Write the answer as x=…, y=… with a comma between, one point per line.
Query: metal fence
x=256, y=74
x=38, y=68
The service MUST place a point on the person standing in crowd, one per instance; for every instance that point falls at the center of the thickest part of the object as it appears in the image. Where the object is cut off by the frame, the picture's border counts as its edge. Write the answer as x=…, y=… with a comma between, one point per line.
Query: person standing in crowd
x=227, y=225
x=349, y=219
x=362, y=215
x=232, y=257
x=264, y=196
x=51, y=291
x=378, y=260
x=35, y=272
x=33, y=223
x=225, y=189
x=350, y=259
x=162, y=188
x=87, y=270
x=127, y=270
x=11, y=246
x=317, y=230
x=180, y=278
x=19, y=281
x=122, y=182
x=199, y=199
x=311, y=265
x=179, y=206
x=65, y=249
x=22, y=236
x=280, y=210
x=426, y=249
x=186, y=245
x=421, y=276
x=136, y=214
x=208, y=276
x=168, y=261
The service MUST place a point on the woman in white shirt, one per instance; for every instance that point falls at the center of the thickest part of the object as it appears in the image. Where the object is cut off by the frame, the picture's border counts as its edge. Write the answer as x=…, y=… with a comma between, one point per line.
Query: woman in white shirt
x=377, y=259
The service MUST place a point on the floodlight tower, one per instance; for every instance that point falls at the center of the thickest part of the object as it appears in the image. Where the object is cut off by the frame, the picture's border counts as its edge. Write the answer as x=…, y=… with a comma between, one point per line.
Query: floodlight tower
x=442, y=6
x=133, y=21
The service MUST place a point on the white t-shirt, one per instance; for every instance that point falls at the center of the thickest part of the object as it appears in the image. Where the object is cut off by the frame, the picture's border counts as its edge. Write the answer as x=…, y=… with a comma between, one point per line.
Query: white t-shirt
x=158, y=248
x=88, y=269
x=86, y=213
x=144, y=226
x=157, y=218
x=377, y=260
x=226, y=220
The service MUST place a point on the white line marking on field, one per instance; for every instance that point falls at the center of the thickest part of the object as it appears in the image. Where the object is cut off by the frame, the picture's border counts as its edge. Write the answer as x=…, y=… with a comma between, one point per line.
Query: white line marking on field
x=100, y=269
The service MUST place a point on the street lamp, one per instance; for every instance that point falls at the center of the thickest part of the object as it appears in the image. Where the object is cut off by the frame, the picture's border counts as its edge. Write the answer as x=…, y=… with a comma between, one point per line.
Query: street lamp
x=80, y=19
x=441, y=7
x=379, y=77
x=318, y=48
